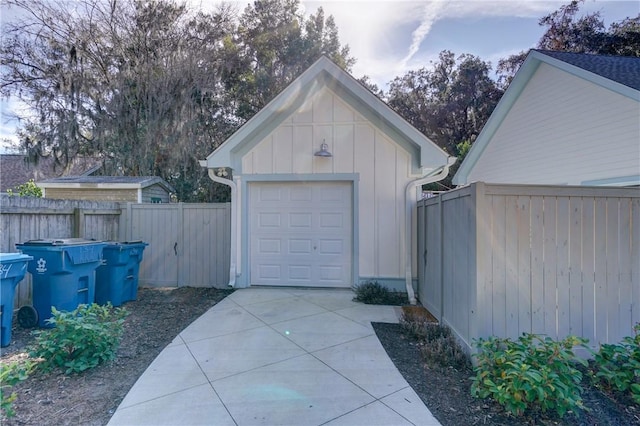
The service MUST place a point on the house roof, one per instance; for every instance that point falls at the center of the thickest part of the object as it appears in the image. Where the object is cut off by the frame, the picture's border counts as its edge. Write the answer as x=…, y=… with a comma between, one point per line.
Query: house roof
x=15, y=169
x=622, y=69
x=618, y=74
x=325, y=73
x=105, y=182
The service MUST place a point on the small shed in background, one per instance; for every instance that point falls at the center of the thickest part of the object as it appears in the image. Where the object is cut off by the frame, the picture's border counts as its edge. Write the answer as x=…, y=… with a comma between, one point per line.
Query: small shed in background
x=136, y=189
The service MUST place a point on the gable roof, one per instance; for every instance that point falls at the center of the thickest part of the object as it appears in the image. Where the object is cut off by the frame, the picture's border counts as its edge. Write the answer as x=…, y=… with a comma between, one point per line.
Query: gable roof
x=618, y=74
x=622, y=69
x=325, y=73
x=15, y=169
x=106, y=182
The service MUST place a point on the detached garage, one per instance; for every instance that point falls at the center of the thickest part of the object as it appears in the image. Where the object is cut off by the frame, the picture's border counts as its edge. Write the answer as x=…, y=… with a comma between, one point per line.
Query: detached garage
x=325, y=182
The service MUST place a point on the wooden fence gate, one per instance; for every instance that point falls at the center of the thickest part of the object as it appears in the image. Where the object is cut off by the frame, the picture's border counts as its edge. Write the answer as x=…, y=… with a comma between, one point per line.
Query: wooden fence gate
x=188, y=243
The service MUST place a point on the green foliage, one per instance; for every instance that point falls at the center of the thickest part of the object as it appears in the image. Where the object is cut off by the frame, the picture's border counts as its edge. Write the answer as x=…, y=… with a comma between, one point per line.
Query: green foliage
x=373, y=293
x=532, y=373
x=81, y=339
x=28, y=189
x=438, y=344
x=11, y=374
x=618, y=365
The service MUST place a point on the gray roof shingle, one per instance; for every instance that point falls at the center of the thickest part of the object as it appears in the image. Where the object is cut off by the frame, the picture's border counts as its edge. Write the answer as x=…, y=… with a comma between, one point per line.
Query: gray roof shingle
x=15, y=169
x=621, y=69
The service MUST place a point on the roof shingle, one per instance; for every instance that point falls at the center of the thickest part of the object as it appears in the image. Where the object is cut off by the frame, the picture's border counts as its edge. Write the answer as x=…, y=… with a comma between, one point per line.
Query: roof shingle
x=621, y=69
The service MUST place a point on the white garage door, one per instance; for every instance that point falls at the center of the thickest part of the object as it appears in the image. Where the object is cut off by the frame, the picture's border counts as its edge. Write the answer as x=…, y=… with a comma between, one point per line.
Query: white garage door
x=300, y=234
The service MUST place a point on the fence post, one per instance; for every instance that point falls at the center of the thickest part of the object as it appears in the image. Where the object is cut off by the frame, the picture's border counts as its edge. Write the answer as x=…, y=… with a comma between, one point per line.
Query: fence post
x=441, y=266
x=78, y=222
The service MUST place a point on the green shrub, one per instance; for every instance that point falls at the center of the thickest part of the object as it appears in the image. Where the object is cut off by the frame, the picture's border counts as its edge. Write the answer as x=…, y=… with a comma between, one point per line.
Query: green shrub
x=81, y=339
x=373, y=293
x=618, y=365
x=11, y=374
x=28, y=189
x=532, y=373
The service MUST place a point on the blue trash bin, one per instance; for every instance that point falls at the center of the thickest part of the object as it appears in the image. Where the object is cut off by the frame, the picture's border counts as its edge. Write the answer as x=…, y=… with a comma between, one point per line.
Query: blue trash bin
x=117, y=277
x=64, y=276
x=13, y=267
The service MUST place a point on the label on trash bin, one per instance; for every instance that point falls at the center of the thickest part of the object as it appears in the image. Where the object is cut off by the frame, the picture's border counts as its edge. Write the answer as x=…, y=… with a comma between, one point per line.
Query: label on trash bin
x=4, y=270
x=41, y=267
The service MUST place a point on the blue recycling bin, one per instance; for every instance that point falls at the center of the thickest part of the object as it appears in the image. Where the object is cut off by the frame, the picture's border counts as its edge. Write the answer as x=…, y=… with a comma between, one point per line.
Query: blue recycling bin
x=117, y=277
x=63, y=276
x=13, y=267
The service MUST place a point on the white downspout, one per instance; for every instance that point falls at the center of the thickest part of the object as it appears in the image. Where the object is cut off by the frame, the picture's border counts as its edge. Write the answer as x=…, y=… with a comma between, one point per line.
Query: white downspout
x=234, y=202
x=409, y=201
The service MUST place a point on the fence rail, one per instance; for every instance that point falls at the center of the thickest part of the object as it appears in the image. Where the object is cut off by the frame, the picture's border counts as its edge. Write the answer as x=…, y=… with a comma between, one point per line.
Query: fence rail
x=188, y=243
x=506, y=259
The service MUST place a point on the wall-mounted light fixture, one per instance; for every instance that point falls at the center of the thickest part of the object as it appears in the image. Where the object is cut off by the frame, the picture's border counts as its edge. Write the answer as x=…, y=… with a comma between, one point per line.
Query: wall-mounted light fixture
x=324, y=151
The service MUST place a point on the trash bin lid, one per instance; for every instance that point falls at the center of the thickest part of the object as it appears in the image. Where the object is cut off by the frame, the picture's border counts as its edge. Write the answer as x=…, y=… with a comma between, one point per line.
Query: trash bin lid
x=58, y=242
x=124, y=243
x=9, y=257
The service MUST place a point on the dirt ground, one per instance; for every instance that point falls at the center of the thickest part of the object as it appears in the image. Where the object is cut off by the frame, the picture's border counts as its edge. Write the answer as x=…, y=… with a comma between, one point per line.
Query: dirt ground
x=91, y=398
x=159, y=315
x=446, y=392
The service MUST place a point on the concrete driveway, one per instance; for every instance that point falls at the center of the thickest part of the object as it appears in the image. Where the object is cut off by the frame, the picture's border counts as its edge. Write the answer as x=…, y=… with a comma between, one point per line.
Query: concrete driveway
x=277, y=356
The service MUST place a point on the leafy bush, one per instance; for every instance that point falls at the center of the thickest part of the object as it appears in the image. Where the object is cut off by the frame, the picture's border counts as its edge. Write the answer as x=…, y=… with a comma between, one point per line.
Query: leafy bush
x=29, y=189
x=11, y=374
x=532, y=373
x=81, y=339
x=618, y=365
x=439, y=346
x=373, y=293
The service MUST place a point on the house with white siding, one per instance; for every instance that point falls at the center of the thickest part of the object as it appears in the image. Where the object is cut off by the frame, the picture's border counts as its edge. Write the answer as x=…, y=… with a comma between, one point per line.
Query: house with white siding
x=326, y=178
x=566, y=119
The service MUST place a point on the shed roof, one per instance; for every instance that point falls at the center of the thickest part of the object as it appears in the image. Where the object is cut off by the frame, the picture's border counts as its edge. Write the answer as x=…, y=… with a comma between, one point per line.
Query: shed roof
x=618, y=74
x=325, y=73
x=106, y=182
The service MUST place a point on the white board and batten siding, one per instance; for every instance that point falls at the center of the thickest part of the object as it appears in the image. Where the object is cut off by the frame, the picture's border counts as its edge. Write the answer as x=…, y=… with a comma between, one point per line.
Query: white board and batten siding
x=560, y=132
x=358, y=147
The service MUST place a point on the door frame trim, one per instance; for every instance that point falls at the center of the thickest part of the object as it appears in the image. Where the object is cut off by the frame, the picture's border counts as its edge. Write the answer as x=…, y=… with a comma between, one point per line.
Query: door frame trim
x=244, y=280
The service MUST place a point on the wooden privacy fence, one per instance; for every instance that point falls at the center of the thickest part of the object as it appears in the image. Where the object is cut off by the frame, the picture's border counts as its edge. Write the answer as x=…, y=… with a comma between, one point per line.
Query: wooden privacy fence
x=188, y=243
x=506, y=259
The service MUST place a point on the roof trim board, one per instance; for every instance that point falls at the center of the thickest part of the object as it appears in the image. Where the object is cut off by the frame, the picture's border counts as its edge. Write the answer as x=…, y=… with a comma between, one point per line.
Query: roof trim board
x=522, y=77
x=324, y=73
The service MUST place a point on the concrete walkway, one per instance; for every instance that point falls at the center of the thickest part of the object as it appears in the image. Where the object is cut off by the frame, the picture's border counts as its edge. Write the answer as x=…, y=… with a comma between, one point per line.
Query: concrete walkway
x=266, y=356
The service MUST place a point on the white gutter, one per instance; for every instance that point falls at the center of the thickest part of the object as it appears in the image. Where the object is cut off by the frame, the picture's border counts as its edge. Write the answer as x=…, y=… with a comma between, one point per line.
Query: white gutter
x=234, y=203
x=409, y=202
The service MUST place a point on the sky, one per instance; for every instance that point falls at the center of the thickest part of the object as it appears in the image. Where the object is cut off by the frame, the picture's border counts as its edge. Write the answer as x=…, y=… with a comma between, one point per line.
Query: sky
x=390, y=37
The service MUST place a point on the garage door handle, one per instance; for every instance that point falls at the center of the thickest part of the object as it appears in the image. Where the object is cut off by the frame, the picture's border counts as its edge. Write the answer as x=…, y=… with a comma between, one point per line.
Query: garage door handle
x=175, y=248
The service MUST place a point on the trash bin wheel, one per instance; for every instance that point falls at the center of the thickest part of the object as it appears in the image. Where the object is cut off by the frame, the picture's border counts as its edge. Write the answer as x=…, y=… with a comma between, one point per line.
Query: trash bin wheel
x=27, y=317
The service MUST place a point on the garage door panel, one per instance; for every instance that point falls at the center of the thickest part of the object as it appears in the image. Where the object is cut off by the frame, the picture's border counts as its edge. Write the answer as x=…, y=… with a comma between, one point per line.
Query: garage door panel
x=301, y=194
x=300, y=220
x=269, y=220
x=327, y=246
x=300, y=246
x=270, y=193
x=269, y=245
x=332, y=220
x=300, y=233
x=300, y=272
